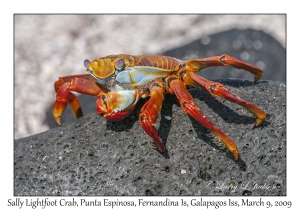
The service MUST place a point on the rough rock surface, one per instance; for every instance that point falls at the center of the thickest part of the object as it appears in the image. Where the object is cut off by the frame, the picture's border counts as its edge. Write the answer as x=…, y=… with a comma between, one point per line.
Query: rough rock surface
x=94, y=157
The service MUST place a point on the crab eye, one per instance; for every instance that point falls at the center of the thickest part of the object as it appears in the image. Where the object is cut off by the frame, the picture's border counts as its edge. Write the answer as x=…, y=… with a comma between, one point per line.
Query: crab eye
x=85, y=63
x=120, y=64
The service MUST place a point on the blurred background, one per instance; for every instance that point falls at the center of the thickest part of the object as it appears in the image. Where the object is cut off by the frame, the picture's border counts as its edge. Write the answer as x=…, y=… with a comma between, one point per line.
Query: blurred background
x=49, y=46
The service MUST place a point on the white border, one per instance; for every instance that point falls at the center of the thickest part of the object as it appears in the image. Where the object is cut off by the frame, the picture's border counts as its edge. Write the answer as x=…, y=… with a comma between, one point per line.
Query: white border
x=154, y=6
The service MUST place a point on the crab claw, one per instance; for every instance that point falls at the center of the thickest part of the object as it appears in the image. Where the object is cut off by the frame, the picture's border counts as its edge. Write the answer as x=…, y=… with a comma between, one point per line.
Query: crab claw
x=113, y=116
x=115, y=106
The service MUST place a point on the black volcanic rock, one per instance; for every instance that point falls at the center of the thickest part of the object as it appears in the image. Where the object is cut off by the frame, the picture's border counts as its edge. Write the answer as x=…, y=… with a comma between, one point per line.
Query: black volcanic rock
x=94, y=157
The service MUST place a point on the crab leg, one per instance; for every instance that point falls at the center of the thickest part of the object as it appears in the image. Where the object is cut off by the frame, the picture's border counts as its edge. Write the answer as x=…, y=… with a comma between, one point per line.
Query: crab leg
x=189, y=107
x=216, y=89
x=224, y=60
x=79, y=83
x=149, y=114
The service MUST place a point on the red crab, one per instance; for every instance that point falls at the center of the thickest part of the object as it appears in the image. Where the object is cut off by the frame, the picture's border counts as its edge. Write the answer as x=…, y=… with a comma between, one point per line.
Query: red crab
x=119, y=81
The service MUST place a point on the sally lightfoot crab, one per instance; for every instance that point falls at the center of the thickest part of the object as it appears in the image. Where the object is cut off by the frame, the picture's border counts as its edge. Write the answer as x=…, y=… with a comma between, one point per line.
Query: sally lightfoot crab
x=119, y=81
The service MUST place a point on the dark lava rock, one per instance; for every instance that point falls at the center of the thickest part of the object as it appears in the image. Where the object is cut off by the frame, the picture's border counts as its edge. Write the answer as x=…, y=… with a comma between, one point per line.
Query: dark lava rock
x=94, y=157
